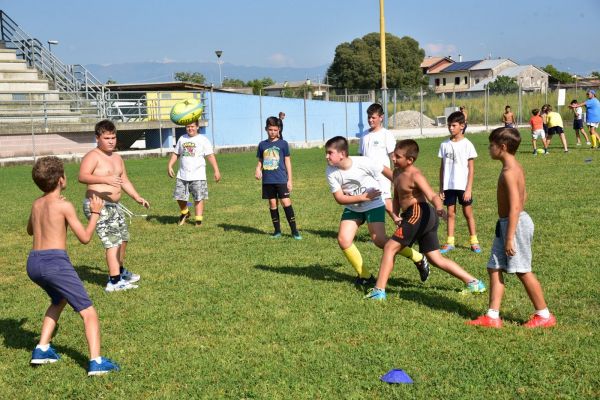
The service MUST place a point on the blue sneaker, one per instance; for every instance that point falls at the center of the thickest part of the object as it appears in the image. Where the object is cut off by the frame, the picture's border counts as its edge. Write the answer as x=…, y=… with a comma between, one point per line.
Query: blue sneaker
x=376, y=294
x=446, y=248
x=474, y=287
x=297, y=236
x=103, y=367
x=129, y=276
x=38, y=356
x=276, y=235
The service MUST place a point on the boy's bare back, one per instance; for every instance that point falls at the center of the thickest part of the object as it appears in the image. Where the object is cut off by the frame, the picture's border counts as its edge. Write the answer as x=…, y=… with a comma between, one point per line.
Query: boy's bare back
x=102, y=173
x=511, y=188
x=49, y=218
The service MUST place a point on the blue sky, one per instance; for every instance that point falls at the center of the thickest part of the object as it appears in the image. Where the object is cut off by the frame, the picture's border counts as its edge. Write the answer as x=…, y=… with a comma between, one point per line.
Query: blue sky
x=305, y=33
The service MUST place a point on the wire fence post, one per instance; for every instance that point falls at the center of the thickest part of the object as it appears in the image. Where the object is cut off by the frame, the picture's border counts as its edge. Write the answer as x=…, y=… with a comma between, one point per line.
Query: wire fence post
x=305, y=126
x=346, y=109
x=421, y=109
x=32, y=133
x=160, y=125
x=395, y=107
x=260, y=116
x=212, y=116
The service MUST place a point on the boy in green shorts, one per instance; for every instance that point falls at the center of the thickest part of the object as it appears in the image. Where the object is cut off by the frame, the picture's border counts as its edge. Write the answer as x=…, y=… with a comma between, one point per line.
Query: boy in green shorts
x=353, y=181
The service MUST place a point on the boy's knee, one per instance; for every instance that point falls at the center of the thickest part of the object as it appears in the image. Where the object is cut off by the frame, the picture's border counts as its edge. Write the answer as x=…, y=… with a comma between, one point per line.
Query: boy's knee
x=89, y=312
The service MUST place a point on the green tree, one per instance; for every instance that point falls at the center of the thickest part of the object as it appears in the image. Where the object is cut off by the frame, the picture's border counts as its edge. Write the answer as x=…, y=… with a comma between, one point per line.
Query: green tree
x=194, y=77
x=595, y=74
x=562, y=77
x=357, y=64
x=504, y=85
x=232, y=82
x=259, y=84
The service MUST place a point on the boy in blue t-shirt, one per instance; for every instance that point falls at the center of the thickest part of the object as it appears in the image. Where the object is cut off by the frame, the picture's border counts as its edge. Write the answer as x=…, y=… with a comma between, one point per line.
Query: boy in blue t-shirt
x=275, y=169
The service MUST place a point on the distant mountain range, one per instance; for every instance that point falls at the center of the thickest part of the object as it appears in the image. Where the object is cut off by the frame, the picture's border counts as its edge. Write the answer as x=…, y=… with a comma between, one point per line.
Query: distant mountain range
x=163, y=72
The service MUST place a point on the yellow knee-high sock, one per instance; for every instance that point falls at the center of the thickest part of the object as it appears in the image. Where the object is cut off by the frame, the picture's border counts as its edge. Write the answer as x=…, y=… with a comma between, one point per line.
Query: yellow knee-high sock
x=474, y=239
x=355, y=259
x=594, y=140
x=413, y=255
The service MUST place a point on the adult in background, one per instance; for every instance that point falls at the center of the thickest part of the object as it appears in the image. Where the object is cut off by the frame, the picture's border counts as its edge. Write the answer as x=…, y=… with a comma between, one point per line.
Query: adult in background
x=281, y=118
x=592, y=118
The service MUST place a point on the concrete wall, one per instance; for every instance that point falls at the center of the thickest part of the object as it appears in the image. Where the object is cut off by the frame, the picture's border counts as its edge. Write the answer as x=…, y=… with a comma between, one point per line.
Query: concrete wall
x=46, y=144
x=238, y=119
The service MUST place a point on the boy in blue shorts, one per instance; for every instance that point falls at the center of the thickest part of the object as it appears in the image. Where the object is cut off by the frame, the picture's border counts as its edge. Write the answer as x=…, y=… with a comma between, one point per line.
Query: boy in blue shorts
x=354, y=183
x=511, y=250
x=419, y=223
x=48, y=264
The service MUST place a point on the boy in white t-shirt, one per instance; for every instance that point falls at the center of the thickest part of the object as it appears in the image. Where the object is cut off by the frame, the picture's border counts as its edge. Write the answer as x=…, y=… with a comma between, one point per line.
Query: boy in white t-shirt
x=456, y=179
x=191, y=177
x=378, y=144
x=353, y=182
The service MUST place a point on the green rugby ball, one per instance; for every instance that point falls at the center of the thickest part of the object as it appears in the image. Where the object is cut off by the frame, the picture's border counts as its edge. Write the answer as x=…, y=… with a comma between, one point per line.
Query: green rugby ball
x=186, y=111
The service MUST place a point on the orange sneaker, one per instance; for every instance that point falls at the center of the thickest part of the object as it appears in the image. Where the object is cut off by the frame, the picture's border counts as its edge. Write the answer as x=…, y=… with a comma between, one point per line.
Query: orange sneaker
x=486, y=322
x=539, y=322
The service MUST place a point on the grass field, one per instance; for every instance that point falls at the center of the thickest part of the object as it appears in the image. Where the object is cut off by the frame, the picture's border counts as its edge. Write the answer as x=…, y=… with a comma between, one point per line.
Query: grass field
x=225, y=312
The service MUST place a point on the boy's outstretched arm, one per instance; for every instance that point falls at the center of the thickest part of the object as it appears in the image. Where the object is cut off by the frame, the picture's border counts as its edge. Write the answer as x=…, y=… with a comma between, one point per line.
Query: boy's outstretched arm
x=84, y=234
x=344, y=199
x=172, y=159
x=213, y=162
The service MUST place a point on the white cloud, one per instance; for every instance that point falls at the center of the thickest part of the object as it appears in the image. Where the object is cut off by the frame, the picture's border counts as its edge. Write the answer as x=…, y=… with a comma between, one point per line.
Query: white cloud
x=280, y=60
x=439, y=49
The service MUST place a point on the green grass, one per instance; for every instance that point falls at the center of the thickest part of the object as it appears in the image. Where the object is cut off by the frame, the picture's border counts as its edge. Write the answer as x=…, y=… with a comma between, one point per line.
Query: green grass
x=225, y=312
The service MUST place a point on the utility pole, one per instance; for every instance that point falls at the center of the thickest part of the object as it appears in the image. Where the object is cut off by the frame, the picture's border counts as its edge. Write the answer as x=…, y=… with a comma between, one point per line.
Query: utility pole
x=383, y=62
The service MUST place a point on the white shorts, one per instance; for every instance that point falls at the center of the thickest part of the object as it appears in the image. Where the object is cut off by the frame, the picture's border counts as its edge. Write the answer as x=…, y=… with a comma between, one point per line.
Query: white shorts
x=592, y=124
x=538, y=134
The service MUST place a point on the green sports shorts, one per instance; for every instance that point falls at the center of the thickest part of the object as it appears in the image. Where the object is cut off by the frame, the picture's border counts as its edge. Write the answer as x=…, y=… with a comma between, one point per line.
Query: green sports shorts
x=373, y=215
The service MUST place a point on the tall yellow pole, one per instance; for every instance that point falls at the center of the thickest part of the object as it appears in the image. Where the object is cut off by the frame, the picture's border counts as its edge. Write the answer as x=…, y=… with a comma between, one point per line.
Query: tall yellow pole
x=383, y=60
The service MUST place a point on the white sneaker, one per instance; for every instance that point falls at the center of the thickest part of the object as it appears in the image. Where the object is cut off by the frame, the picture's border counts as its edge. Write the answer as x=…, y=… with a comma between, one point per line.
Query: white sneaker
x=120, y=285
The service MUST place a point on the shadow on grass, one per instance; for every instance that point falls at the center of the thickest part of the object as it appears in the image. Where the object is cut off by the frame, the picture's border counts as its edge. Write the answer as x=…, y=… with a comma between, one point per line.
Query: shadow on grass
x=364, y=238
x=94, y=275
x=438, y=302
x=242, y=229
x=319, y=272
x=16, y=337
x=163, y=219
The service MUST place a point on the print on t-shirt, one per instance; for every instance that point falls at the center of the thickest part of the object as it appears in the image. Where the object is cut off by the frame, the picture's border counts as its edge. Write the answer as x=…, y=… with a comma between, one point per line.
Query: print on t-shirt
x=189, y=149
x=271, y=158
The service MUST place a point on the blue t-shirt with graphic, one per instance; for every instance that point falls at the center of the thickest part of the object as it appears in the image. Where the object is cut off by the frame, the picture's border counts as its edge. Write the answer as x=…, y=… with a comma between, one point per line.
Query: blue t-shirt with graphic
x=272, y=155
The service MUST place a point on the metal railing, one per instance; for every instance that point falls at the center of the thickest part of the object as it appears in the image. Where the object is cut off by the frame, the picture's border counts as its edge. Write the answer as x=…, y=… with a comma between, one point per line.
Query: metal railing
x=49, y=107
x=66, y=78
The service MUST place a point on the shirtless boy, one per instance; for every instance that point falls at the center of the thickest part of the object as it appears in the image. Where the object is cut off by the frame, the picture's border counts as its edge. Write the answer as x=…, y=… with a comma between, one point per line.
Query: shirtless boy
x=103, y=171
x=419, y=223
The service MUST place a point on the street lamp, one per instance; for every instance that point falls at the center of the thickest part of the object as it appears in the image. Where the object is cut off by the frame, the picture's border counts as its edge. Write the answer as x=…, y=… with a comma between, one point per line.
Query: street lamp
x=50, y=43
x=219, y=62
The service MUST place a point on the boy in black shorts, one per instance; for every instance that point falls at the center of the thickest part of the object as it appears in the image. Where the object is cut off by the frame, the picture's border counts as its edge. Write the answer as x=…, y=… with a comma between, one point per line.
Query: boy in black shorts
x=419, y=222
x=48, y=264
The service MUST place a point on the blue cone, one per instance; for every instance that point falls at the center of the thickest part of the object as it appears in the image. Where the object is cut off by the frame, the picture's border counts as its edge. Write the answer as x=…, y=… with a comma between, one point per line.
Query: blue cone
x=396, y=376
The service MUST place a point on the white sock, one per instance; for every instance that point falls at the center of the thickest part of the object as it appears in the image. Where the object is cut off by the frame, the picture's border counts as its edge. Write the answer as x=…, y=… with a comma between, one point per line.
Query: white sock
x=495, y=314
x=545, y=313
x=97, y=359
x=43, y=347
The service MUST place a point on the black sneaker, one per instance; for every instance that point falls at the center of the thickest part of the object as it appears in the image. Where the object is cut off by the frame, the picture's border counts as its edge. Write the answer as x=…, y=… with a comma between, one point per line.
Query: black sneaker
x=423, y=267
x=370, y=281
x=183, y=218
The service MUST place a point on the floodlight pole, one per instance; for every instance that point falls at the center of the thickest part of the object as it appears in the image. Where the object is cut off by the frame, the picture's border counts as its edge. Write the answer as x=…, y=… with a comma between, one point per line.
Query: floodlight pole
x=383, y=62
x=219, y=62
